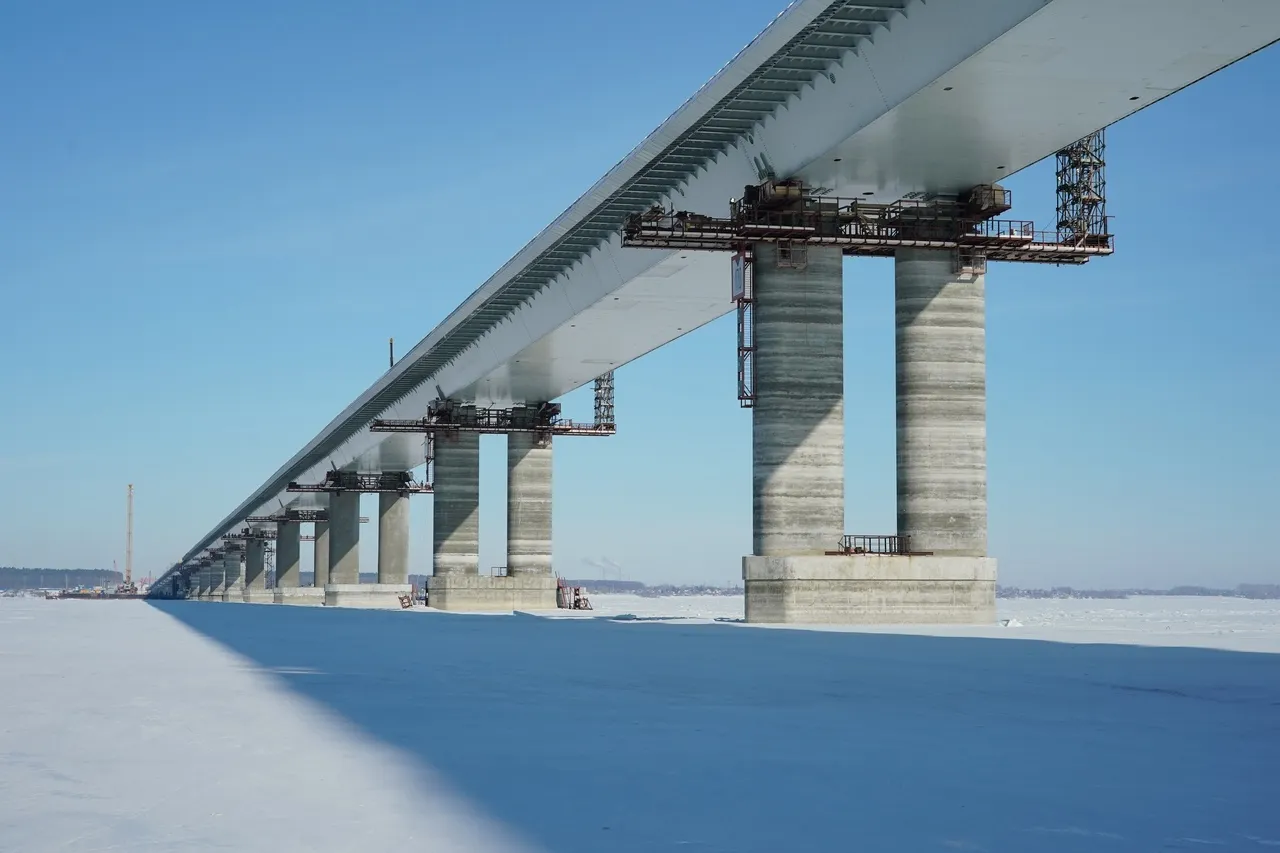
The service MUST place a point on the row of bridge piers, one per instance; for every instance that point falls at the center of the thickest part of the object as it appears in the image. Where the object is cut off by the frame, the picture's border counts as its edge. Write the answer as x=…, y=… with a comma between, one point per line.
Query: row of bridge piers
x=235, y=571
x=803, y=566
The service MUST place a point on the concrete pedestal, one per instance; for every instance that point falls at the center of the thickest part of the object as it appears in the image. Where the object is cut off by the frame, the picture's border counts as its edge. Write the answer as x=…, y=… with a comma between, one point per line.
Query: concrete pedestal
x=485, y=594
x=253, y=595
x=868, y=589
x=369, y=596
x=234, y=594
x=307, y=596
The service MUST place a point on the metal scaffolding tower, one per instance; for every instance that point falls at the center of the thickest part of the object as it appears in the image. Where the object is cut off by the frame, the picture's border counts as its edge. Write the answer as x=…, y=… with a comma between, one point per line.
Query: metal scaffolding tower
x=1082, y=192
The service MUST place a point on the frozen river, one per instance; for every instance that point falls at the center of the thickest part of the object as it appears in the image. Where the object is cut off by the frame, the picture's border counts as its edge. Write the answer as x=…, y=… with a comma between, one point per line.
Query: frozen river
x=1149, y=724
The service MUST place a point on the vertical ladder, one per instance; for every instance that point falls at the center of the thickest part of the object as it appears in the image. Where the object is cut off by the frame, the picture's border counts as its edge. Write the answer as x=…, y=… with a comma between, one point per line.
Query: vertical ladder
x=743, y=291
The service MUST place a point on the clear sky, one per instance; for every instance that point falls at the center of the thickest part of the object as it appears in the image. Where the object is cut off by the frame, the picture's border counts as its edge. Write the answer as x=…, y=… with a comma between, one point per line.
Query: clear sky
x=213, y=216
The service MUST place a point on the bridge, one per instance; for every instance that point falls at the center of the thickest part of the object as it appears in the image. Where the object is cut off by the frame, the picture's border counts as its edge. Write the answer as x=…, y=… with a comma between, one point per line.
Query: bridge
x=880, y=127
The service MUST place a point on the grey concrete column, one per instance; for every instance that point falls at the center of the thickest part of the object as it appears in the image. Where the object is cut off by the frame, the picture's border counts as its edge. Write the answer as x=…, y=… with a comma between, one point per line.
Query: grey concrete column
x=797, y=424
x=233, y=583
x=456, y=504
x=344, y=538
x=288, y=548
x=940, y=318
x=528, y=503
x=217, y=577
x=202, y=581
x=393, y=538
x=321, y=555
x=255, y=565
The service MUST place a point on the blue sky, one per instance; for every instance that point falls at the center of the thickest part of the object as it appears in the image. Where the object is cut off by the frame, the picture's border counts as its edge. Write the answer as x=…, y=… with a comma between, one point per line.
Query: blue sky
x=213, y=216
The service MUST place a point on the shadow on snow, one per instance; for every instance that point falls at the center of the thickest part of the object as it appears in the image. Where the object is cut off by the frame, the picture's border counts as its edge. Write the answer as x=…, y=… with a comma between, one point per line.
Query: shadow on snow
x=592, y=734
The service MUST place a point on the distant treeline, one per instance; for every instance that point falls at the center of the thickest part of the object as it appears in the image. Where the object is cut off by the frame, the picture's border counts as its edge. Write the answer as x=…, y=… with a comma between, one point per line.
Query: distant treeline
x=12, y=577
x=1244, y=590
x=637, y=588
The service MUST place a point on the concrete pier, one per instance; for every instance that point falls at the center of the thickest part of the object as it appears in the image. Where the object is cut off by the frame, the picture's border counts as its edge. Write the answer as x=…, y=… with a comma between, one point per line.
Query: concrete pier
x=255, y=573
x=393, y=538
x=529, y=504
x=529, y=466
x=456, y=583
x=456, y=505
x=321, y=563
x=288, y=560
x=217, y=579
x=797, y=424
x=344, y=547
x=232, y=583
x=204, y=582
x=344, y=538
x=288, y=554
x=942, y=404
x=393, y=561
x=798, y=451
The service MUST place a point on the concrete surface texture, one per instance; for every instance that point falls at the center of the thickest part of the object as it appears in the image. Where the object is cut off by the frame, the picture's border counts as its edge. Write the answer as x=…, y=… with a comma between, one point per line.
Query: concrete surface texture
x=233, y=576
x=393, y=538
x=485, y=594
x=455, y=505
x=797, y=424
x=942, y=404
x=529, y=504
x=321, y=561
x=217, y=578
x=376, y=596
x=344, y=538
x=288, y=554
x=204, y=580
x=869, y=589
x=298, y=595
x=255, y=565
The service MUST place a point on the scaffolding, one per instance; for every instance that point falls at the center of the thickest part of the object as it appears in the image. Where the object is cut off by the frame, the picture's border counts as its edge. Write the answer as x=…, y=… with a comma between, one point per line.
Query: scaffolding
x=604, y=418
x=398, y=482
x=447, y=417
x=743, y=293
x=1082, y=192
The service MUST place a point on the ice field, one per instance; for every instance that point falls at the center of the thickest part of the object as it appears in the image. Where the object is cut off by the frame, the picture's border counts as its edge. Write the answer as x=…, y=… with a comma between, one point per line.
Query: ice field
x=1148, y=724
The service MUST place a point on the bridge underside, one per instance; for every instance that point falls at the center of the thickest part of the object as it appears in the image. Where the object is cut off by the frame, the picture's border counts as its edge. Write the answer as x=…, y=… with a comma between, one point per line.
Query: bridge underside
x=941, y=99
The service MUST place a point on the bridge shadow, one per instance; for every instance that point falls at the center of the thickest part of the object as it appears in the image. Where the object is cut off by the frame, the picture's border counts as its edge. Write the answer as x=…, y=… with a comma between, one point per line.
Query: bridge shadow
x=595, y=734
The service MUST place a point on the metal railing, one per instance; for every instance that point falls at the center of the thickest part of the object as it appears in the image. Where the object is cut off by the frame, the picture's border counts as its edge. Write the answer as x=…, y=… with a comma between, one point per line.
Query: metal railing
x=856, y=544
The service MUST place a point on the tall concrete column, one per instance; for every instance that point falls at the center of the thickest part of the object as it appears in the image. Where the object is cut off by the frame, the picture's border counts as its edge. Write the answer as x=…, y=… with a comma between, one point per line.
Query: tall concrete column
x=797, y=424
x=321, y=555
x=456, y=505
x=940, y=318
x=393, y=538
x=255, y=571
x=288, y=548
x=233, y=583
x=203, y=580
x=217, y=577
x=528, y=504
x=344, y=538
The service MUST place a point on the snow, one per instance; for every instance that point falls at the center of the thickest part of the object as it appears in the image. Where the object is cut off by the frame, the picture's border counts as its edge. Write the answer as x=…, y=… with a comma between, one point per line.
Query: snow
x=196, y=726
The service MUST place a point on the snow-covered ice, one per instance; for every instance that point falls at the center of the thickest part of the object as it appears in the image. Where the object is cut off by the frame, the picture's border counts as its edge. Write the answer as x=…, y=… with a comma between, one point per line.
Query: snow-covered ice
x=195, y=726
